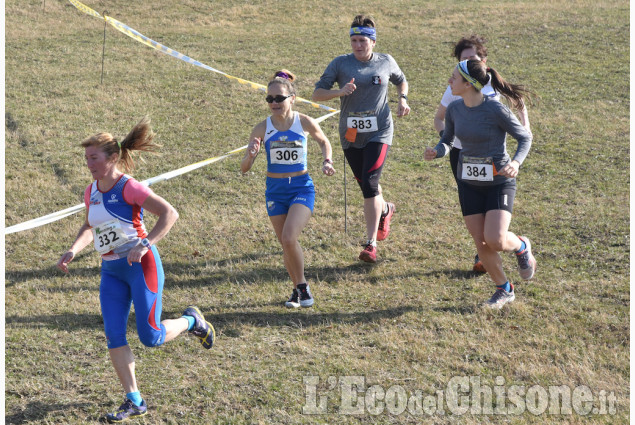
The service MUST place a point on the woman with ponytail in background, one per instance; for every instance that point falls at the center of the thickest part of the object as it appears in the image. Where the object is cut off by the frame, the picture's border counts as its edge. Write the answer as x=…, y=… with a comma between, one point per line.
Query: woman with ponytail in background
x=486, y=174
x=131, y=269
x=472, y=47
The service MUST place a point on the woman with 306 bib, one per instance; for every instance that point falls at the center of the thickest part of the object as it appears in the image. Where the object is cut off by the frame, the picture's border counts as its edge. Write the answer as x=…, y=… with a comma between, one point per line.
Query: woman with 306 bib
x=290, y=193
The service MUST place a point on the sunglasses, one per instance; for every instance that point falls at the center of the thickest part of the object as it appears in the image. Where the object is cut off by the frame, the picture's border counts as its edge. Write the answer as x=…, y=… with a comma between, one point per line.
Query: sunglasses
x=278, y=99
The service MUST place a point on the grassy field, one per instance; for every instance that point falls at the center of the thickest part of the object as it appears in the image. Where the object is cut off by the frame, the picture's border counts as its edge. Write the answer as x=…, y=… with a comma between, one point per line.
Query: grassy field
x=409, y=325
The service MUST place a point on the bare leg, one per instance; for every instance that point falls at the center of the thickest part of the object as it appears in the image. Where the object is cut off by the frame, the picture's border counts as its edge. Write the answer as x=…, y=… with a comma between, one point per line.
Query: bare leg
x=123, y=361
x=174, y=327
x=288, y=228
x=497, y=233
x=373, y=207
x=492, y=261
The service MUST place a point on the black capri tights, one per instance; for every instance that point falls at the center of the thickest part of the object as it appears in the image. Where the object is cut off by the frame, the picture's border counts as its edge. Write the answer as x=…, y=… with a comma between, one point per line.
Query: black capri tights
x=366, y=164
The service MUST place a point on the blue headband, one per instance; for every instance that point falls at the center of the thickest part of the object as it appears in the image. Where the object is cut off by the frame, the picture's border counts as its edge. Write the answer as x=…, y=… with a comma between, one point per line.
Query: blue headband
x=462, y=67
x=365, y=31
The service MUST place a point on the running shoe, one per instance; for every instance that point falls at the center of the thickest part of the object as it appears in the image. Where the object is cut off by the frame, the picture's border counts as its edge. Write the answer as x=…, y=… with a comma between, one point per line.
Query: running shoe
x=384, y=222
x=202, y=329
x=500, y=298
x=368, y=254
x=128, y=410
x=294, y=300
x=526, y=260
x=306, y=300
x=478, y=265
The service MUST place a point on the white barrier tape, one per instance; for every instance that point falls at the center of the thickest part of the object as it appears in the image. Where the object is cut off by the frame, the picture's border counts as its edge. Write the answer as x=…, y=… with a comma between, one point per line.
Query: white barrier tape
x=50, y=218
x=136, y=35
x=37, y=222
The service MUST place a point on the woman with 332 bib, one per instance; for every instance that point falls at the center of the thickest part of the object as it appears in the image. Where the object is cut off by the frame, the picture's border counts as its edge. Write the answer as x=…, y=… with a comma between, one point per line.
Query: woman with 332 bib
x=131, y=269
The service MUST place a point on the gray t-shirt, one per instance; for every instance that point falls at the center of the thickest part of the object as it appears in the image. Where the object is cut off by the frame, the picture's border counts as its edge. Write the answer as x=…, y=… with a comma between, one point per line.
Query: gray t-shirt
x=483, y=131
x=370, y=98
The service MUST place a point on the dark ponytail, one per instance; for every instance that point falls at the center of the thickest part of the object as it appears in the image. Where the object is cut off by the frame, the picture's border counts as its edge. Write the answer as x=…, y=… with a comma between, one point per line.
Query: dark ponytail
x=515, y=93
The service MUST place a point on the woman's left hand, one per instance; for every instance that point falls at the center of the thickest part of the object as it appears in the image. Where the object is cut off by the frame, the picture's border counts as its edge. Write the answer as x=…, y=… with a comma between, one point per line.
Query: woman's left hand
x=327, y=168
x=510, y=169
x=136, y=253
x=403, y=109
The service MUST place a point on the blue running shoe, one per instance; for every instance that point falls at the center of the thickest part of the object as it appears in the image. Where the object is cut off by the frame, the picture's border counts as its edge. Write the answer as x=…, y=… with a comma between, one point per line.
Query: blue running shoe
x=500, y=298
x=202, y=329
x=128, y=410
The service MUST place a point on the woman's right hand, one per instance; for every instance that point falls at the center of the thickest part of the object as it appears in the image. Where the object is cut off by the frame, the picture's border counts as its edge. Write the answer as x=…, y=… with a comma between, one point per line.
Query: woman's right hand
x=66, y=258
x=430, y=154
x=254, y=147
x=349, y=88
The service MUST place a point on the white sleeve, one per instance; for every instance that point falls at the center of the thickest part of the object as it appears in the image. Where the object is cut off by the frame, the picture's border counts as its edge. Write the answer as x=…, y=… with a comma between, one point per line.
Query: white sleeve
x=448, y=97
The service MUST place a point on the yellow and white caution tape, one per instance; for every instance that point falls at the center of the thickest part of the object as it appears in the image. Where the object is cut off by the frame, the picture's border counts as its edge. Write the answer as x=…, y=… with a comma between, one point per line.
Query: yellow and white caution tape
x=136, y=35
x=87, y=10
x=50, y=218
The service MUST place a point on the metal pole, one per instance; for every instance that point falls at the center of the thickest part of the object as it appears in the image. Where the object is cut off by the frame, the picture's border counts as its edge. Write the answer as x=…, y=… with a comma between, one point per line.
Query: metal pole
x=345, y=203
x=103, y=50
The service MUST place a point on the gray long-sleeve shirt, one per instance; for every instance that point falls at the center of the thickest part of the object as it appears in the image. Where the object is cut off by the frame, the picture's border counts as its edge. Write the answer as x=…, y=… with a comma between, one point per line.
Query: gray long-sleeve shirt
x=483, y=131
x=370, y=97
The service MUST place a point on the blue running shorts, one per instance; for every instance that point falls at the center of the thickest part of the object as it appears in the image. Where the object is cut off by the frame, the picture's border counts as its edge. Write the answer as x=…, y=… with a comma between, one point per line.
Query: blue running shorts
x=283, y=192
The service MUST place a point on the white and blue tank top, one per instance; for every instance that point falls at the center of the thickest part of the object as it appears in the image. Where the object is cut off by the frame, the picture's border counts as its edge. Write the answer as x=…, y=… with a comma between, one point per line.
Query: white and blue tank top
x=286, y=150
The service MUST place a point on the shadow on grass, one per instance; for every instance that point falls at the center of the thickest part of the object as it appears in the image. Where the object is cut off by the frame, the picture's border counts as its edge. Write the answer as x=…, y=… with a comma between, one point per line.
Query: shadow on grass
x=453, y=274
x=461, y=309
x=303, y=318
x=13, y=277
x=37, y=412
x=283, y=318
x=208, y=273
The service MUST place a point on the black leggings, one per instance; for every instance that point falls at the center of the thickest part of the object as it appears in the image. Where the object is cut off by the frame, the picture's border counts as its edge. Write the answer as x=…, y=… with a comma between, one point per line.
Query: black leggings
x=366, y=164
x=454, y=162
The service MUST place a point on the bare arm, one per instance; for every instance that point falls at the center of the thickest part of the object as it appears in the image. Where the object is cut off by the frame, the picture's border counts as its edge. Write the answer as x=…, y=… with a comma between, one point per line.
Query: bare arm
x=84, y=237
x=320, y=95
x=403, y=109
x=523, y=116
x=256, y=137
x=439, y=118
x=314, y=129
x=167, y=217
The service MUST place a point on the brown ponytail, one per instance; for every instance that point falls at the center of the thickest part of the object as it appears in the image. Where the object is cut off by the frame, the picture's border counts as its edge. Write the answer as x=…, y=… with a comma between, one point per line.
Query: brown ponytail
x=140, y=138
x=284, y=77
x=515, y=93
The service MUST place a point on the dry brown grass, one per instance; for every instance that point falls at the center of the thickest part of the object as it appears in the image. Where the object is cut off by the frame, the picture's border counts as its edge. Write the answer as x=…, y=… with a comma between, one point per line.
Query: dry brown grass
x=413, y=319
